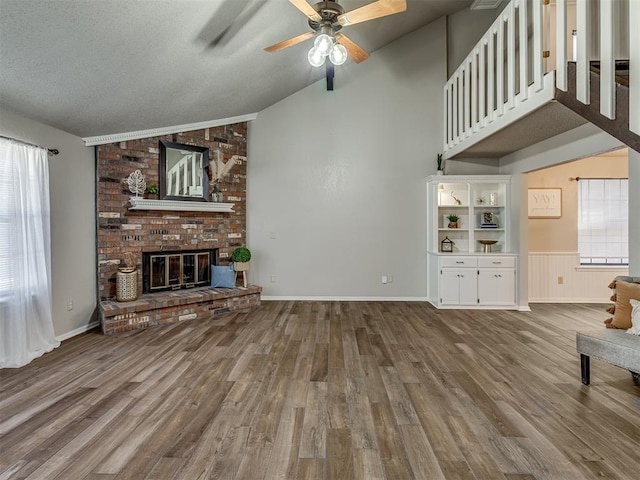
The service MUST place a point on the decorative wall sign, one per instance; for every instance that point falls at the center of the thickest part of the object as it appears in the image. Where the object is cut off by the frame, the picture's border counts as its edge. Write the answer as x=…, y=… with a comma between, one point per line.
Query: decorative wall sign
x=545, y=203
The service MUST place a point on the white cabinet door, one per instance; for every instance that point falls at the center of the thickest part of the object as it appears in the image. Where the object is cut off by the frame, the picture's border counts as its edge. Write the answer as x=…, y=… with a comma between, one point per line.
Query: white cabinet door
x=496, y=286
x=468, y=286
x=458, y=286
x=450, y=286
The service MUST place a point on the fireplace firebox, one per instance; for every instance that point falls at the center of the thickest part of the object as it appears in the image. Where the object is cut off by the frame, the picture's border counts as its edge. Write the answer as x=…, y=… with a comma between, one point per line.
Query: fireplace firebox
x=162, y=271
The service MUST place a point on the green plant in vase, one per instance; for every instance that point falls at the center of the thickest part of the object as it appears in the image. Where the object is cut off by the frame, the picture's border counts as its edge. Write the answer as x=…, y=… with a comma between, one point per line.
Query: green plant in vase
x=453, y=220
x=240, y=258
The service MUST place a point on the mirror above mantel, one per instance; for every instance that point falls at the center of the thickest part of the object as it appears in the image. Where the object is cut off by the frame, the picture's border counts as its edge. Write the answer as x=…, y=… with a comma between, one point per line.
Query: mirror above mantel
x=183, y=172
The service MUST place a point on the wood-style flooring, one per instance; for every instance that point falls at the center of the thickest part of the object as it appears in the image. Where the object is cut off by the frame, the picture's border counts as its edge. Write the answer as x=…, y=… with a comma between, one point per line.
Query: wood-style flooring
x=326, y=390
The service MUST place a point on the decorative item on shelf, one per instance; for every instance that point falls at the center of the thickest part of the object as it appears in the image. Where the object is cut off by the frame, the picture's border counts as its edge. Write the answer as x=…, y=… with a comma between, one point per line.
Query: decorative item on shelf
x=216, y=193
x=446, y=245
x=136, y=183
x=218, y=169
x=481, y=201
x=152, y=189
x=488, y=220
x=440, y=164
x=240, y=258
x=456, y=200
x=127, y=280
x=493, y=198
x=453, y=221
x=487, y=244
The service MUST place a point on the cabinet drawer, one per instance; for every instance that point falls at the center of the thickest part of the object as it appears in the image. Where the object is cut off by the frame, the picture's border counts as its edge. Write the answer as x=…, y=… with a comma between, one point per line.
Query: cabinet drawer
x=497, y=262
x=458, y=261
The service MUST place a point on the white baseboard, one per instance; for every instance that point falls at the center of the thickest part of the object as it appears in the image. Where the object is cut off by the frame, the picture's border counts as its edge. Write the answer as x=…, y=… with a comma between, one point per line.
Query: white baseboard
x=570, y=300
x=344, y=299
x=77, y=331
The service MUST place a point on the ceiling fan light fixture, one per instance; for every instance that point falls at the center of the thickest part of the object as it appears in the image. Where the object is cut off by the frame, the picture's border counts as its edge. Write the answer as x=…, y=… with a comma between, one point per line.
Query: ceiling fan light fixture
x=338, y=54
x=315, y=57
x=324, y=43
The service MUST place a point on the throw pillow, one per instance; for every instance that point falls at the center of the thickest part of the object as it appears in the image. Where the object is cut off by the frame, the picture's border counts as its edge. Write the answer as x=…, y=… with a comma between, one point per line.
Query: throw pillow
x=223, y=276
x=624, y=293
x=635, y=317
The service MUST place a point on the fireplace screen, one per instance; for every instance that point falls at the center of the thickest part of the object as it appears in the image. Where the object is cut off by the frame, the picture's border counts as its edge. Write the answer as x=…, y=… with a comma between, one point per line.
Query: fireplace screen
x=176, y=270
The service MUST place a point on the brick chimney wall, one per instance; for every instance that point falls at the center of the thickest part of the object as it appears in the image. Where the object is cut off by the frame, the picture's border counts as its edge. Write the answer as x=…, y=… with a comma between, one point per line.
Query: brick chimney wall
x=121, y=230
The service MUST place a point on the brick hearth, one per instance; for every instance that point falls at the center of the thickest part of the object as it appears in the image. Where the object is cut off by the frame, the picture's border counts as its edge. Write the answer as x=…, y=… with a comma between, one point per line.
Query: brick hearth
x=170, y=307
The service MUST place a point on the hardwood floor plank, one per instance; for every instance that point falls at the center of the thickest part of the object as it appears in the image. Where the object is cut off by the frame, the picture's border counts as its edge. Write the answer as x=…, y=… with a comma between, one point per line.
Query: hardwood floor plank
x=320, y=364
x=326, y=390
x=314, y=431
x=339, y=457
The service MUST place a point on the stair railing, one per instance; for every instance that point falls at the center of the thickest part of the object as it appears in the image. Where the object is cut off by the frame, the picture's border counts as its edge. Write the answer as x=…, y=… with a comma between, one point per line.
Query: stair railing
x=495, y=76
x=505, y=68
x=611, y=14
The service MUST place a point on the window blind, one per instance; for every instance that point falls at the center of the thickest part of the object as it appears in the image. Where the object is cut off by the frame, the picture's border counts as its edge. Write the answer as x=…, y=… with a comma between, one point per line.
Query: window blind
x=603, y=221
x=6, y=208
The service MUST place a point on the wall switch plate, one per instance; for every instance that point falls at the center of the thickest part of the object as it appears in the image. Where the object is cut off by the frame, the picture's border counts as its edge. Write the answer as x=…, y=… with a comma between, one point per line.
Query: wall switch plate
x=274, y=279
x=384, y=279
x=69, y=305
x=560, y=280
x=389, y=278
x=272, y=235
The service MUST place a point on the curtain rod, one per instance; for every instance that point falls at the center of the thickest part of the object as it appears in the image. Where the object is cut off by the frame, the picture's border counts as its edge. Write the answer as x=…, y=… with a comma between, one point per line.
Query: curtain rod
x=577, y=179
x=52, y=151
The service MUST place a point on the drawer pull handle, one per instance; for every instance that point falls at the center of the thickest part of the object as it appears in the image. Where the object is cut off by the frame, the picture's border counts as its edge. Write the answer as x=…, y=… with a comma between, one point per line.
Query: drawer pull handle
x=460, y=262
x=496, y=263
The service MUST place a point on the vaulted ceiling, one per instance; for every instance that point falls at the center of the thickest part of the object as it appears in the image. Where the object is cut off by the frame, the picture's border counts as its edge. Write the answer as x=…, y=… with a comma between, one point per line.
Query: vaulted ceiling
x=98, y=67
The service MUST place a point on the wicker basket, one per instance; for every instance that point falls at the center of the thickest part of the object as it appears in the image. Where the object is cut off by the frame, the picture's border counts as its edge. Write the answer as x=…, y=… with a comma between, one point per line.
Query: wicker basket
x=241, y=266
x=126, y=286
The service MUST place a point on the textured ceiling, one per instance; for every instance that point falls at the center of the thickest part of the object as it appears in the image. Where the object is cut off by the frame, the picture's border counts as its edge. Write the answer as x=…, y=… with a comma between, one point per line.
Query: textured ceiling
x=110, y=66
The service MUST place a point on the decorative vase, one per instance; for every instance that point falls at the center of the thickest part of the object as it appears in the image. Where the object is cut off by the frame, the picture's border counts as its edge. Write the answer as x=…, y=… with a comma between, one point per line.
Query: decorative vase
x=439, y=172
x=453, y=225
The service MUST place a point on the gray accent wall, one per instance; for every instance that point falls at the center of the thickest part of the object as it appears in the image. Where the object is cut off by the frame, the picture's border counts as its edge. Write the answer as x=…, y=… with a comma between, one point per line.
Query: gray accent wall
x=336, y=179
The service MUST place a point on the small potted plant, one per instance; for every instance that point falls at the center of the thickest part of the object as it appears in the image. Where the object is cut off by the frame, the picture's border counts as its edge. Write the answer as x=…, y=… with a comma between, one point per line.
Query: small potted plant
x=453, y=220
x=440, y=163
x=240, y=258
x=151, y=190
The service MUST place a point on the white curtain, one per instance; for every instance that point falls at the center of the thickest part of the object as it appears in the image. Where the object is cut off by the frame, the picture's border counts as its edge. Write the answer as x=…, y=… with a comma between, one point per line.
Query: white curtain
x=26, y=325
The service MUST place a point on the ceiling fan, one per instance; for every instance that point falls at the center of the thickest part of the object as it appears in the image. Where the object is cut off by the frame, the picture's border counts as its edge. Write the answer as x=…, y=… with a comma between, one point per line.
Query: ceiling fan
x=326, y=19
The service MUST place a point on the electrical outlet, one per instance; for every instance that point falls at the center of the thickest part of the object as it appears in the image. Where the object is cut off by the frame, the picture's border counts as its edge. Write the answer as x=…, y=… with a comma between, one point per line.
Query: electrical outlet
x=560, y=280
x=384, y=279
x=390, y=278
x=272, y=235
x=69, y=305
x=274, y=279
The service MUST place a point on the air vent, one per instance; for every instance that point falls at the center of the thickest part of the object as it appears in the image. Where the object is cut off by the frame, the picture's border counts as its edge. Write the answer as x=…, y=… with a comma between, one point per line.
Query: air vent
x=485, y=4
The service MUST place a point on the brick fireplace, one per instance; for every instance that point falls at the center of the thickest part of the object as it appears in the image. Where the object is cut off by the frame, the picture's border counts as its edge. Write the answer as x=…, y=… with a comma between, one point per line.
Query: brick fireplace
x=123, y=230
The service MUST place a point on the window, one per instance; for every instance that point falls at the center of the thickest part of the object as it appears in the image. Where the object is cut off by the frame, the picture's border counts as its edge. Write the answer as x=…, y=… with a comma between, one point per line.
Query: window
x=603, y=221
x=6, y=205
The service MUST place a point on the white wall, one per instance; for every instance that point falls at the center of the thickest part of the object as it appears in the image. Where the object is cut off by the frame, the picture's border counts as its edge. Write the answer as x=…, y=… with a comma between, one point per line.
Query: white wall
x=72, y=191
x=337, y=177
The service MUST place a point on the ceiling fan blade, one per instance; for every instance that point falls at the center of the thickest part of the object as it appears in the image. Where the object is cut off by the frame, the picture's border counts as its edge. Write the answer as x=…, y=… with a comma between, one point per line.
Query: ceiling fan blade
x=355, y=52
x=290, y=42
x=307, y=9
x=380, y=8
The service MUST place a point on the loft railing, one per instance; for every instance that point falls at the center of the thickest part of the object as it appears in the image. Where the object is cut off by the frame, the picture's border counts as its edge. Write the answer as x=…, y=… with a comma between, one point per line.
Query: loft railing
x=505, y=70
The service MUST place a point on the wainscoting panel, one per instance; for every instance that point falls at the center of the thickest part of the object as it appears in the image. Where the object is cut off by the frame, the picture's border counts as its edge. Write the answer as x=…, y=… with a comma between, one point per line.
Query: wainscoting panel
x=559, y=278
